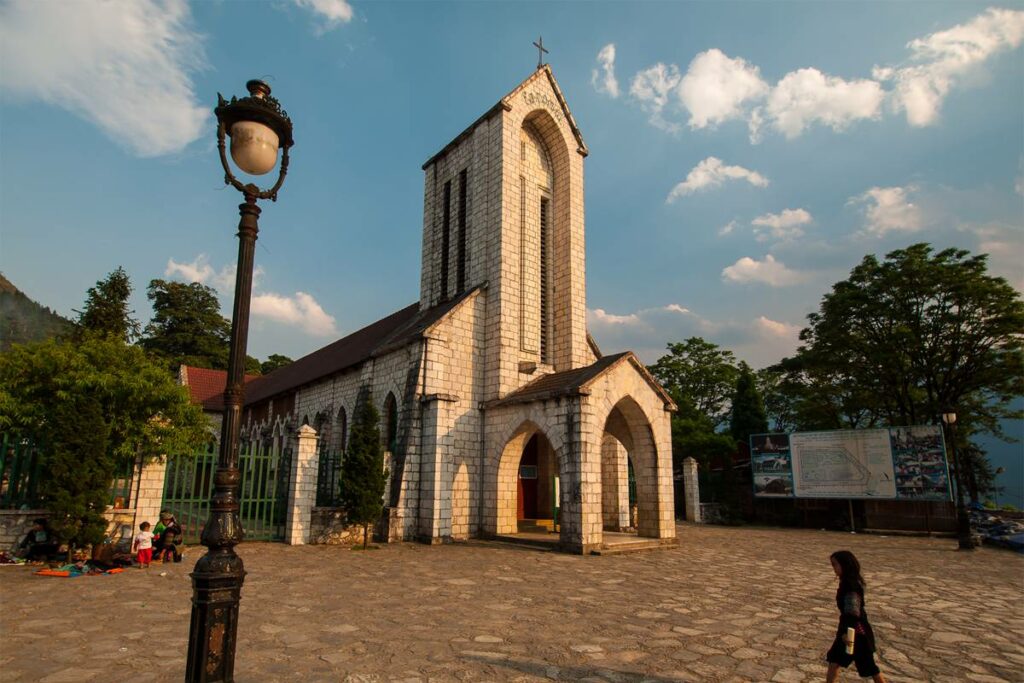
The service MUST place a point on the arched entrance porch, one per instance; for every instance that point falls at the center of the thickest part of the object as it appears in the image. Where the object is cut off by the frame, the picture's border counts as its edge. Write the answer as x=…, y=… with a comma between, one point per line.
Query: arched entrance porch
x=630, y=496
x=529, y=488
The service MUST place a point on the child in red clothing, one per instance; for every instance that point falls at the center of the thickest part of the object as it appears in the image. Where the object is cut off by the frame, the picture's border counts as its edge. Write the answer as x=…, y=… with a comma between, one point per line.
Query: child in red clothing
x=143, y=545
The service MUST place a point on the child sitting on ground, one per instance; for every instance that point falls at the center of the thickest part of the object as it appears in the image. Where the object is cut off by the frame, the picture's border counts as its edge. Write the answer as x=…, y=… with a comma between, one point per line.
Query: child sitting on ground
x=143, y=545
x=167, y=551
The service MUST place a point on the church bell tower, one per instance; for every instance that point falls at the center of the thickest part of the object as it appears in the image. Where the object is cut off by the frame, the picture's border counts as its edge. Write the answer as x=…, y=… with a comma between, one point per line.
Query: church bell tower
x=503, y=212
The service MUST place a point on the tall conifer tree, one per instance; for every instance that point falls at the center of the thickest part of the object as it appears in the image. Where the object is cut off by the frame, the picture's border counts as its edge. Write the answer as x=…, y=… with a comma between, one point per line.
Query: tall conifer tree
x=362, y=471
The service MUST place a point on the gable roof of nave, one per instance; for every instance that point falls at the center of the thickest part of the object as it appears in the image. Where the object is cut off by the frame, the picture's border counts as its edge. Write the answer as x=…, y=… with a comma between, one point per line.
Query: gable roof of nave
x=505, y=104
x=387, y=334
x=577, y=381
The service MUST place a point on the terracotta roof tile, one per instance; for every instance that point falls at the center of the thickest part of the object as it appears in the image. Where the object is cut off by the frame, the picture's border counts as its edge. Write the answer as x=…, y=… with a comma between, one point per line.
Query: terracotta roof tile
x=206, y=387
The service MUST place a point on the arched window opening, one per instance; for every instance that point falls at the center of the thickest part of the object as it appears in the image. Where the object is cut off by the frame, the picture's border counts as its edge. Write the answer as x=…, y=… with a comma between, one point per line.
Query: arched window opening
x=342, y=430
x=390, y=423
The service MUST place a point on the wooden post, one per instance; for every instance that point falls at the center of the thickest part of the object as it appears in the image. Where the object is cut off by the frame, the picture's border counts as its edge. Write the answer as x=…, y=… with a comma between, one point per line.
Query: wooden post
x=853, y=525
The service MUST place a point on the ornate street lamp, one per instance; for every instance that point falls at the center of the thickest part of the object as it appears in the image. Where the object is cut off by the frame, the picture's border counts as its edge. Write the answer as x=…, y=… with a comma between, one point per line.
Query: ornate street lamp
x=963, y=522
x=258, y=127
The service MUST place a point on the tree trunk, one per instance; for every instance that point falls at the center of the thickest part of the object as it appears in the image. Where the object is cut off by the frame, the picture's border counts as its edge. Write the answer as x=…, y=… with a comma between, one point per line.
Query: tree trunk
x=366, y=534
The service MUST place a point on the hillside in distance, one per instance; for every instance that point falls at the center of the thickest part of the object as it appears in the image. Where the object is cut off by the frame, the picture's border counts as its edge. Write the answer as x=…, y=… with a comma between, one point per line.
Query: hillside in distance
x=22, y=320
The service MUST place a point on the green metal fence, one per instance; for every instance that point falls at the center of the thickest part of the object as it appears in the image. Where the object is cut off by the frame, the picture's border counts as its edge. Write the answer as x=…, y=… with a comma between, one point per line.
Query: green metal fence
x=265, y=471
x=20, y=468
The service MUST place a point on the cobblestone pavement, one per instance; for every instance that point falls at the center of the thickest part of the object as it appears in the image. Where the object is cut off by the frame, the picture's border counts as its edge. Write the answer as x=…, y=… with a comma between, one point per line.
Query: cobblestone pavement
x=729, y=604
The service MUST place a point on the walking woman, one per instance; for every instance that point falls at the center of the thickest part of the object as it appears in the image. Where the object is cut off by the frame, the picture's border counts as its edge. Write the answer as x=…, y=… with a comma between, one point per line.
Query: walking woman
x=850, y=601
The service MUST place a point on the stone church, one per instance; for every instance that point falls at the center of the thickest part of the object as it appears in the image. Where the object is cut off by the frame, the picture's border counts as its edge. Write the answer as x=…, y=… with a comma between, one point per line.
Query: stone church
x=499, y=412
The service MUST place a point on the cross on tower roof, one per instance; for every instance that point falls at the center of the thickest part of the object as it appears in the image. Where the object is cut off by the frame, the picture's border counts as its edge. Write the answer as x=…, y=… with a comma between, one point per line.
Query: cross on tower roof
x=541, y=51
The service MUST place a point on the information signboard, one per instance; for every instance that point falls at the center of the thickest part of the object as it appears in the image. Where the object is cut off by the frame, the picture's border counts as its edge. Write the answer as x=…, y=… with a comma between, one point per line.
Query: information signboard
x=899, y=463
x=843, y=464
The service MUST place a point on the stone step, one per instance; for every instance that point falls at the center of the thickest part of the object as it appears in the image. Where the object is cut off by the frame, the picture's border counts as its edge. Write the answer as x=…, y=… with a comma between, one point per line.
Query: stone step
x=637, y=546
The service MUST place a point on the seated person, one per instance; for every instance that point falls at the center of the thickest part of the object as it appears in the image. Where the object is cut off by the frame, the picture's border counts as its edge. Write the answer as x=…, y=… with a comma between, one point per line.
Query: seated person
x=167, y=537
x=39, y=543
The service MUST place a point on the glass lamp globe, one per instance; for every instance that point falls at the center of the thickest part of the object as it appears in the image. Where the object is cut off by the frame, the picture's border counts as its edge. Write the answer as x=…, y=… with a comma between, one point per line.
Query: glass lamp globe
x=254, y=147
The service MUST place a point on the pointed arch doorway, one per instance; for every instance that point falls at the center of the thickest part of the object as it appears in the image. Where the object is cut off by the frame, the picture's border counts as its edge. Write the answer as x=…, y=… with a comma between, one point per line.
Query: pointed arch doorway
x=537, y=487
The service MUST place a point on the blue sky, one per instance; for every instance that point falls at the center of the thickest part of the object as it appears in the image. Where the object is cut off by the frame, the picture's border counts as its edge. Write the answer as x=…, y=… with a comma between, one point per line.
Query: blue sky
x=744, y=156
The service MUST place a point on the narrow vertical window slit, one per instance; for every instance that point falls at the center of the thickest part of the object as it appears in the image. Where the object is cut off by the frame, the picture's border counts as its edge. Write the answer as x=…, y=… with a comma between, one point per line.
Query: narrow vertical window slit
x=463, y=188
x=446, y=238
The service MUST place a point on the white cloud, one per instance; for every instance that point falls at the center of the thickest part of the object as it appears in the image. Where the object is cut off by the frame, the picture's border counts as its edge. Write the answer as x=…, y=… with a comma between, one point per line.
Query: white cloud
x=761, y=341
x=781, y=226
x=711, y=173
x=651, y=88
x=727, y=228
x=333, y=13
x=603, y=79
x=196, y=271
x=1004, y=244
x=775, y=328
x=809, y=96
x=199, y=270
x=889, y=209
x=600, y=315
x=123, y=66
x=301, y=310
x=946, y=58
x=717, y=87
x=769, y=271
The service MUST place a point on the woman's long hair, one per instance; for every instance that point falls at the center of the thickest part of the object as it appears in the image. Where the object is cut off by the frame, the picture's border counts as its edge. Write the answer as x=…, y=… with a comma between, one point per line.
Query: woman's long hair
x=850, y=568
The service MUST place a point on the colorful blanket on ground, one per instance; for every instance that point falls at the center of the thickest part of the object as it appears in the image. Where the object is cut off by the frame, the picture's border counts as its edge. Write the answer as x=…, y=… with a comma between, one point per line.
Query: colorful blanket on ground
x=71, y=571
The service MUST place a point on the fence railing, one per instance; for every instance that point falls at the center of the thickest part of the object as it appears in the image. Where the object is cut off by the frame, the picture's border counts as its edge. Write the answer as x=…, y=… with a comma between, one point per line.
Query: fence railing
x=22, y=470
x=20, y=467
x=328, y=481
x=265, y=472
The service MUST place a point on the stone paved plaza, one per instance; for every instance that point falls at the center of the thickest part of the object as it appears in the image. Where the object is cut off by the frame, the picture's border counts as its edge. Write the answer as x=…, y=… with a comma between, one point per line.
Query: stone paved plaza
x=729, y=604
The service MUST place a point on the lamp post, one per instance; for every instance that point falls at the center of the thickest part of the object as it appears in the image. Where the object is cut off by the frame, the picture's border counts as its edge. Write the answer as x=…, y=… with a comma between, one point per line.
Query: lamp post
x=963, y=522
x=258, y=127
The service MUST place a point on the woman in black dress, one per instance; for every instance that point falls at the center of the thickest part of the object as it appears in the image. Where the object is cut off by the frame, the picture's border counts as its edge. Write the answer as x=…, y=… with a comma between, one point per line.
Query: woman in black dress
x=850, y=601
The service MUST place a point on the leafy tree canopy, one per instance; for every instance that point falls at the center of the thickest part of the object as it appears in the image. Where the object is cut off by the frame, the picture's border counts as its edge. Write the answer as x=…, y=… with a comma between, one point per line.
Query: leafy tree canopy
x=106, y=310
x=273, y=362
x=141, y=408
x=187, y=327
x=904, y=339
x=698, y=373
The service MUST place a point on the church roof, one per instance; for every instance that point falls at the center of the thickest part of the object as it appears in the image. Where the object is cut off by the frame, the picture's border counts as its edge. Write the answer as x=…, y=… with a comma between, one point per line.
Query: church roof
x=505, y=104
x=575, y=382
x=387, y=334
x=206, y=387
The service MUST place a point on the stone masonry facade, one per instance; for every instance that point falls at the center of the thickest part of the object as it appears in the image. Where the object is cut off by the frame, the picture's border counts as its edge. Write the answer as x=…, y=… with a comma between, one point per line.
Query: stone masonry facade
x=495, y=357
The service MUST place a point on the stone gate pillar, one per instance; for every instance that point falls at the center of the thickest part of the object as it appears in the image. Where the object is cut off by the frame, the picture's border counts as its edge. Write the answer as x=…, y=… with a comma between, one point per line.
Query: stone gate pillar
x=302, y=487
x=691, y=490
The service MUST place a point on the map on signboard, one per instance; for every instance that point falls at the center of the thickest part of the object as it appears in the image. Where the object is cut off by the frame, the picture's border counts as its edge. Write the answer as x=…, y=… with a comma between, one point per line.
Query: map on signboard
x=842, y=464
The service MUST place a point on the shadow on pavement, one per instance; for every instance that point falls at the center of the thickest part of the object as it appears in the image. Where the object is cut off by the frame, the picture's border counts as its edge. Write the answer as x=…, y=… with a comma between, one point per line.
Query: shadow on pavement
x=564, y=673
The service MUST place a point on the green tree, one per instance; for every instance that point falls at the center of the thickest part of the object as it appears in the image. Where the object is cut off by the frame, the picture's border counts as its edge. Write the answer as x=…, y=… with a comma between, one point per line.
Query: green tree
x=699, y=376
x=922, y=333
x=700, y=373
x=106, y=310
x=273, y=362
x=187, y=327
x=362, y=471
x=746, y=415
x=78, y=470
x=94, y=406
